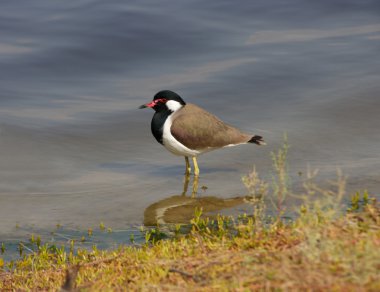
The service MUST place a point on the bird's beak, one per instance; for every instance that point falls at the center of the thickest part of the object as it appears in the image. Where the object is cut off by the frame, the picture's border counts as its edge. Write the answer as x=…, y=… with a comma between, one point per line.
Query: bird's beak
x=150, y=104
x=153, y=103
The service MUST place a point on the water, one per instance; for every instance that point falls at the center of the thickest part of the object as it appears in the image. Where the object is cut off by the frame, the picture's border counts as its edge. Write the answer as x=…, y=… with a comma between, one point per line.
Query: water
x=76, y=151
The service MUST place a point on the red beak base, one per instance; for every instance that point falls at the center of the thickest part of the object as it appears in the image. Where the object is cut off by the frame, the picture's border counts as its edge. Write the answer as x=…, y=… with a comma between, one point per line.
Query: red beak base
x=153, y=103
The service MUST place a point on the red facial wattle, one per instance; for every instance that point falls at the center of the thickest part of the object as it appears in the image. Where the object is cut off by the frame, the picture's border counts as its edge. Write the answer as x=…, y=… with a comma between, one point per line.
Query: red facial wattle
x=155, y=102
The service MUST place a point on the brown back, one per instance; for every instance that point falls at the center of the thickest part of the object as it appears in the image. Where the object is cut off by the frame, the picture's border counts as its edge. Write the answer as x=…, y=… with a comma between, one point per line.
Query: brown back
x=197, y=129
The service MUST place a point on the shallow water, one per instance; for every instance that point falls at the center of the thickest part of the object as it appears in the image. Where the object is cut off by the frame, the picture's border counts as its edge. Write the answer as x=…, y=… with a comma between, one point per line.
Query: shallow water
x=76, y=151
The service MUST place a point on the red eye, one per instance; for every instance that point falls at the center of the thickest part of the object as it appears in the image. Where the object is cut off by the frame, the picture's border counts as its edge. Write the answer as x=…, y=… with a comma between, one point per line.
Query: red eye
x=162, y=100
x=153, y=103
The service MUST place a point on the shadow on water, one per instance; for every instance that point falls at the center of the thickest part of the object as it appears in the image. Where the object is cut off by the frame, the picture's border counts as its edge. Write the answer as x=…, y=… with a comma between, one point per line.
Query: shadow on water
x=181, y=208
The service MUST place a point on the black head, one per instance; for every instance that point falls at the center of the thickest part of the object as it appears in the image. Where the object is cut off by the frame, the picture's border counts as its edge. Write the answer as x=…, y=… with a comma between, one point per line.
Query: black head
x=161, y=99
x=168, y=95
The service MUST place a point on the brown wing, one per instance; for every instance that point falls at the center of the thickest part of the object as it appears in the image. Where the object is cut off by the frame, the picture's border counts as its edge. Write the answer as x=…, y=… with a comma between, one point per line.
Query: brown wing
x=197, y=129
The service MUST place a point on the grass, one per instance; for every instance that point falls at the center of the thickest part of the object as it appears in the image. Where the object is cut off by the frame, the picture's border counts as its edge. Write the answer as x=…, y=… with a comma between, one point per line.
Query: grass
x=324, y=248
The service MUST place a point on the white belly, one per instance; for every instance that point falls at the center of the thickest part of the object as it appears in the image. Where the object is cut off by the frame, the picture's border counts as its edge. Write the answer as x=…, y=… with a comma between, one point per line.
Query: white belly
x=172, y=144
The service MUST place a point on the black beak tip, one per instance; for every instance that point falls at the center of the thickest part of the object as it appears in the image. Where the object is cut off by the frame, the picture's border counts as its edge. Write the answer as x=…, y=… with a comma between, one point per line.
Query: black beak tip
x=142, y=106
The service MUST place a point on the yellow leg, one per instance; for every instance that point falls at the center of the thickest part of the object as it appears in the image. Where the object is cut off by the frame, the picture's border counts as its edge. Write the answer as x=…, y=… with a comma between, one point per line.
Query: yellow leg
x=196, y=168
x=186, y=184
x=195, y=186
x=188, y=167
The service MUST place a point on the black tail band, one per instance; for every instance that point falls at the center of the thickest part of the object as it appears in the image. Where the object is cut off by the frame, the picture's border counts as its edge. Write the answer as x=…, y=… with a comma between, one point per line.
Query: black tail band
x=257, y=140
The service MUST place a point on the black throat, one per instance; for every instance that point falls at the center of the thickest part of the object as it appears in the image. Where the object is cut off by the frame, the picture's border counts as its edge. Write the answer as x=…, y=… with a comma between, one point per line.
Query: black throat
x=157, y=125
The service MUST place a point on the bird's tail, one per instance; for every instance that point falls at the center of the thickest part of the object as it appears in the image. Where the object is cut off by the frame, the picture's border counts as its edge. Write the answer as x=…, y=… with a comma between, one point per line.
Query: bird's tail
x=257, y=140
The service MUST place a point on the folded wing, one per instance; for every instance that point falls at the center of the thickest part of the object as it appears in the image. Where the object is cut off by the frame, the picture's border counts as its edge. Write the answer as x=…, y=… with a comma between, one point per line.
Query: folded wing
x=199, y=130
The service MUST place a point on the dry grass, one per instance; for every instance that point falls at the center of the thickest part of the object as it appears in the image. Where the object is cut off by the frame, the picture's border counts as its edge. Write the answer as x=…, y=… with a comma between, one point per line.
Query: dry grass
x=312, y=253
x=323, y=249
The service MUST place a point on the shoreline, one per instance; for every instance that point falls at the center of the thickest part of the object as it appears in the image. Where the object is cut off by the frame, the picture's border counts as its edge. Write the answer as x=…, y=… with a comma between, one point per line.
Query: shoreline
x=319, y=250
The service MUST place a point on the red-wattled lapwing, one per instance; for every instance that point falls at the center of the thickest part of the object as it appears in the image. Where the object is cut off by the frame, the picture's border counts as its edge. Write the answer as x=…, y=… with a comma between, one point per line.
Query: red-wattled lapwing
x=187, y=130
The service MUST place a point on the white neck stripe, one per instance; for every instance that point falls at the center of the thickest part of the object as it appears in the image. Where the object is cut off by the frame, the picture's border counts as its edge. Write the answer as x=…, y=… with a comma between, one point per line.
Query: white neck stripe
x=173, y=105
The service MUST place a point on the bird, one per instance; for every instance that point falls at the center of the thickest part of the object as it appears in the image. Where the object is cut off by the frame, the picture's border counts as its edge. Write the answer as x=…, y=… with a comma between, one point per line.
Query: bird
x=187, y=130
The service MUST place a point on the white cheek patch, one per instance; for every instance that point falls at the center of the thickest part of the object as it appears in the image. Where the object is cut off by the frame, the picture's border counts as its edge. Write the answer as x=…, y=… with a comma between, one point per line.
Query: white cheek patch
x=173, y=105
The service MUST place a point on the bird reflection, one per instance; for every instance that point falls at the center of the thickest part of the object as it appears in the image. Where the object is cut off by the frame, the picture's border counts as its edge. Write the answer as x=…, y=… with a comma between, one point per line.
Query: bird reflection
x=180, y=208
x=186, y=182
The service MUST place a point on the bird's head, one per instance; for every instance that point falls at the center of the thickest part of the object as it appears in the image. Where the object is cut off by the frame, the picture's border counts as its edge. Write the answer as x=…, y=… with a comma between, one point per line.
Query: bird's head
x=165, y=100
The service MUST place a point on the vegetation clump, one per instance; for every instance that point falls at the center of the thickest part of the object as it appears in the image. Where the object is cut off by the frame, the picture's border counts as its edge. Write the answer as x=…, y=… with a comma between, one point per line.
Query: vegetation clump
x=323, y=248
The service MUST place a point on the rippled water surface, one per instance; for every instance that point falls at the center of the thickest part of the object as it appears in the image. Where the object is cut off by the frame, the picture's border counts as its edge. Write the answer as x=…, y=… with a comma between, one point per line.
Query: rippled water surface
x=76, y=151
